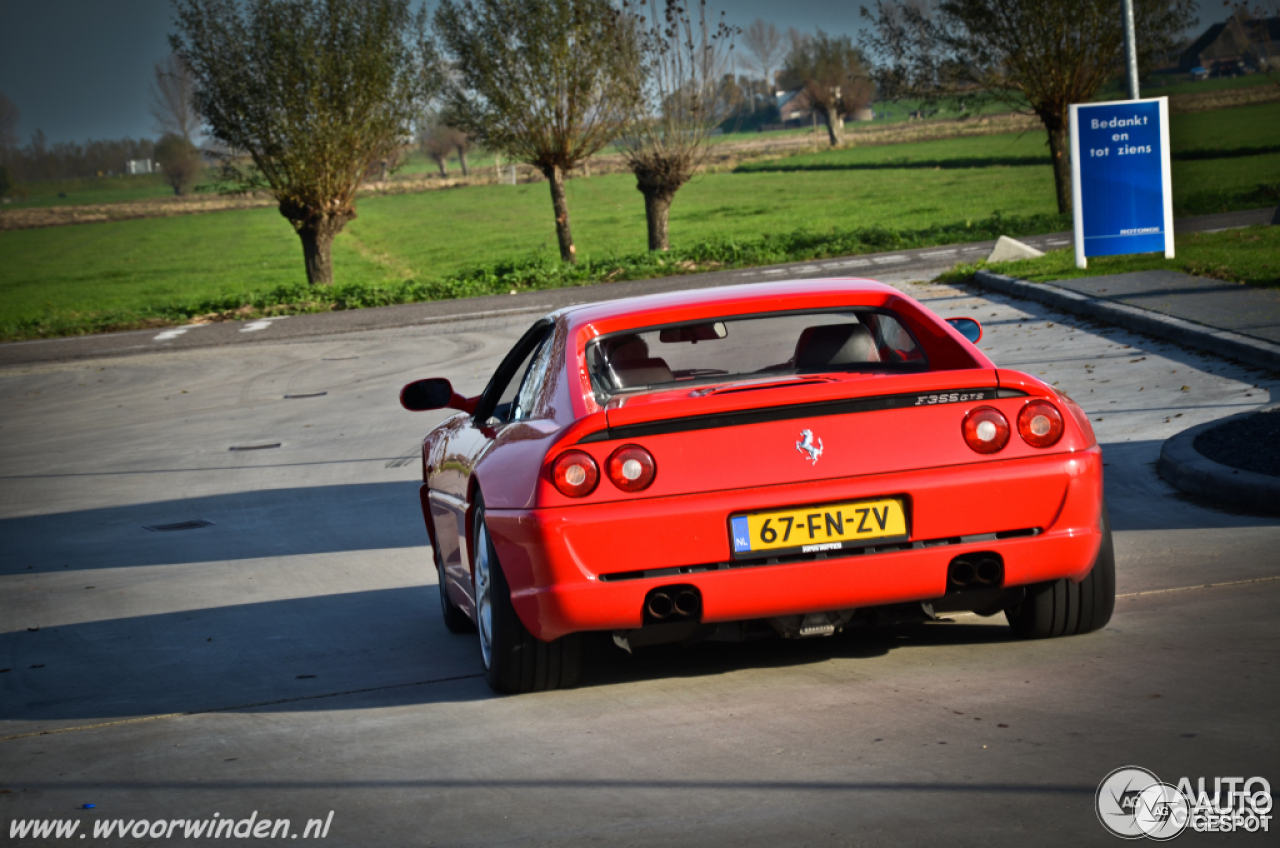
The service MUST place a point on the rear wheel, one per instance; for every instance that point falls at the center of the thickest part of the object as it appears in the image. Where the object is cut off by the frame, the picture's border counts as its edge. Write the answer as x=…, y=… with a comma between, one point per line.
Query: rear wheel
x=1063, y=608
x=454, y=617
x=514, y=660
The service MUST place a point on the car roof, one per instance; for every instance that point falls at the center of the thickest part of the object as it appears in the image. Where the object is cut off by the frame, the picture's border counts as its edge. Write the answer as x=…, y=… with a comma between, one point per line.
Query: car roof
x=746, y=298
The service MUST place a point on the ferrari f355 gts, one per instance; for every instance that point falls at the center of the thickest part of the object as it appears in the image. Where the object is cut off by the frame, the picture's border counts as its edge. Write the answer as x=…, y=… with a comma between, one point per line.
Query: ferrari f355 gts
x=793, y=457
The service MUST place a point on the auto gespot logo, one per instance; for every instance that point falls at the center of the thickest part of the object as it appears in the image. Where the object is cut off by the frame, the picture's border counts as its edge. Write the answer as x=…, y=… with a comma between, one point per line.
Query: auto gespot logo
x=1132, y=803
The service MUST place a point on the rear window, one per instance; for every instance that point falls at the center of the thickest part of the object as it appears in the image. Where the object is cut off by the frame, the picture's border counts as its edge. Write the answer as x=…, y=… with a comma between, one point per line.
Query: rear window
x=752, y=347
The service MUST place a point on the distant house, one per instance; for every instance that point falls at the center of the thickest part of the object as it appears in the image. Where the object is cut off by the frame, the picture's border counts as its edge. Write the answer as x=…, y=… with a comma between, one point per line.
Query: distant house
x=793, y=106
x=1219, y=48
x=796, y=107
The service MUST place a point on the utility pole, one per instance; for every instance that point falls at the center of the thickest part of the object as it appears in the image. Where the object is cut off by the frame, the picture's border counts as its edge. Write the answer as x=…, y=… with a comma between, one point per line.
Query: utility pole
x=1130, y=52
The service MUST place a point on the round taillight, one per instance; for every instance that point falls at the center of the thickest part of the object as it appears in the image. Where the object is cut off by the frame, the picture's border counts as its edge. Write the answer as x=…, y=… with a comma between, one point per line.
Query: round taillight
x=575, y=473
x=631, y=468
x=985, y=429
x=1040, y=424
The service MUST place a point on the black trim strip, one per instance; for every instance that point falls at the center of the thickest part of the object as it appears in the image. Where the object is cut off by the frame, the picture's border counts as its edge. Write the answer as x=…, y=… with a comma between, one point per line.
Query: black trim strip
x=644, y=574
x=787, y=413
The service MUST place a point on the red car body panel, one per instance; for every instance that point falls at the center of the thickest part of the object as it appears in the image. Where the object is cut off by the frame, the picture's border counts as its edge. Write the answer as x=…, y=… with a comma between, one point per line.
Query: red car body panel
x=577, y=564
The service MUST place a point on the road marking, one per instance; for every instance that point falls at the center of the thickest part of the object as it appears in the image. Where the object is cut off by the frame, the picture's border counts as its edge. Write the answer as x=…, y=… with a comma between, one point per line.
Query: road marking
x=173, y=332
x=887, y=260
x=940, y=253
x=1058, y=241
x=261, y=324
x=848, y=263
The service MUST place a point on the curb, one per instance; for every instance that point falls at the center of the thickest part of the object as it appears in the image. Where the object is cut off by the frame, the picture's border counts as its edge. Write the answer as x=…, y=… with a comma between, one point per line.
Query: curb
x=1183, y=467
x=1251, y=351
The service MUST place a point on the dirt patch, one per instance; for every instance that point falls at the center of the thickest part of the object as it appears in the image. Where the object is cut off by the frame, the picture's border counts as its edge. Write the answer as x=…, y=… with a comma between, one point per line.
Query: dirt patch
x=57, y=216
x=1204, y=101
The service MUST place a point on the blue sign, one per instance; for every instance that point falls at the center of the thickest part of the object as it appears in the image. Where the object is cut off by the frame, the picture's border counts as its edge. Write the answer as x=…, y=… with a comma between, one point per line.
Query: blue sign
x=1121, y=182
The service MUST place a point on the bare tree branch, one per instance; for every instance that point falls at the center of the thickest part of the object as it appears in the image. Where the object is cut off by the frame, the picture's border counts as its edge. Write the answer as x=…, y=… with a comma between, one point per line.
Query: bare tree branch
x=764, y=43
x=172, y=104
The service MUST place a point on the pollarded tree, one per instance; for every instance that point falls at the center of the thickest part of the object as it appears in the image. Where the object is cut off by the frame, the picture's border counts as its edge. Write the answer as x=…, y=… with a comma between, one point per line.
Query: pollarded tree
x=180, y=161
x=313, y=92
x=1041, y=55
x=462, y=143
x=541, y=81
x=679, y=65
x=437, y=141
x=835, y=77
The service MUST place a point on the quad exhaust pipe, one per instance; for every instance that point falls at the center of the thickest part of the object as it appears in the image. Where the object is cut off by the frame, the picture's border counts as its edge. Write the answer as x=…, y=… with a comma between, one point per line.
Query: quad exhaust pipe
x=975, y=571
x=672, y=603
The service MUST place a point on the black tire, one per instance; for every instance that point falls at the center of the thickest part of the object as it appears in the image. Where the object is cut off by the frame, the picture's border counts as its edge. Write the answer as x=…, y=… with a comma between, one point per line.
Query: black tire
x=454, y=617
x=1063, y=608
x=515, y=661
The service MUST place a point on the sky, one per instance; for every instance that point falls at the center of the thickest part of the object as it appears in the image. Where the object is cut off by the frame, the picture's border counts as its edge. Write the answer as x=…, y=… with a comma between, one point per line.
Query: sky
x=80, y=69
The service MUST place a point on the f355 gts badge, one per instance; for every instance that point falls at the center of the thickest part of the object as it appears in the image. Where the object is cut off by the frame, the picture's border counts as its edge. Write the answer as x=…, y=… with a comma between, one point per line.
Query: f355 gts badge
x=806, y=445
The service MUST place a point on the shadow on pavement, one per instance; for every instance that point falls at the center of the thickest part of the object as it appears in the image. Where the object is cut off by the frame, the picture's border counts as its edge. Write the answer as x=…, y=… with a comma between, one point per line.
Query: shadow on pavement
x=343, y=652
x=246, y=525
x=1138, y=499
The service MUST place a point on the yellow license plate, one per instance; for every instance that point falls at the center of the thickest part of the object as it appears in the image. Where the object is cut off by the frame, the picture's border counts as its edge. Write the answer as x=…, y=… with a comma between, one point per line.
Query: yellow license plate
x=831, y=527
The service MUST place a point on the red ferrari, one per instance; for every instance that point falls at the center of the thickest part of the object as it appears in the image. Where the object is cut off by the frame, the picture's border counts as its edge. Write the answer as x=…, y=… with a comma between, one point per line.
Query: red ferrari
x=796, y=457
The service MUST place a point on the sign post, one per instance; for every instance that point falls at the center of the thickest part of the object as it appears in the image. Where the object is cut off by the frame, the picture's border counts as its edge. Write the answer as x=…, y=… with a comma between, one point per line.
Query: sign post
x=1120, y=179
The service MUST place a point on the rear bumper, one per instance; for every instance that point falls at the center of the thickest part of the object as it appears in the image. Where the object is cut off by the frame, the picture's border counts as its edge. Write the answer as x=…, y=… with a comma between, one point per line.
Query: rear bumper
x=559, y=561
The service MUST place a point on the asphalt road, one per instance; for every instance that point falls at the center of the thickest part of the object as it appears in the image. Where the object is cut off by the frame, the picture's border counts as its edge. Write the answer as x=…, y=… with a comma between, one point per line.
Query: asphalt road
x=287, y=658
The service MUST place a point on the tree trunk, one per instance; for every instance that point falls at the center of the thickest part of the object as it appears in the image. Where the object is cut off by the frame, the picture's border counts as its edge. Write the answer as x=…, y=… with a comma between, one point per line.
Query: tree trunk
x=657, y=206
x=555, y=177
x=317, y=234
x=833, y=125
x=462, y=159
x=1060, y=152
x=658, y=178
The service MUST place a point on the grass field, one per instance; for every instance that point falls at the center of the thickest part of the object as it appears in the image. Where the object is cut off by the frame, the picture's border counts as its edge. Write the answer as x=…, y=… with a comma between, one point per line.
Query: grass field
x=116, y=189
x=1250, y=255
x=59, y=278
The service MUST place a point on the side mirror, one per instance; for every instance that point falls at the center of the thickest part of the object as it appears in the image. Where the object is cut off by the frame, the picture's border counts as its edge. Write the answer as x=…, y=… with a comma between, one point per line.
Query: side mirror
x=436, y=393
x=967, y=327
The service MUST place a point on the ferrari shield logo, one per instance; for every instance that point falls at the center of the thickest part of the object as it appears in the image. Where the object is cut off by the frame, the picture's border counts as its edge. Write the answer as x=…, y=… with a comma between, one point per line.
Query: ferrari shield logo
x=806, y=445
